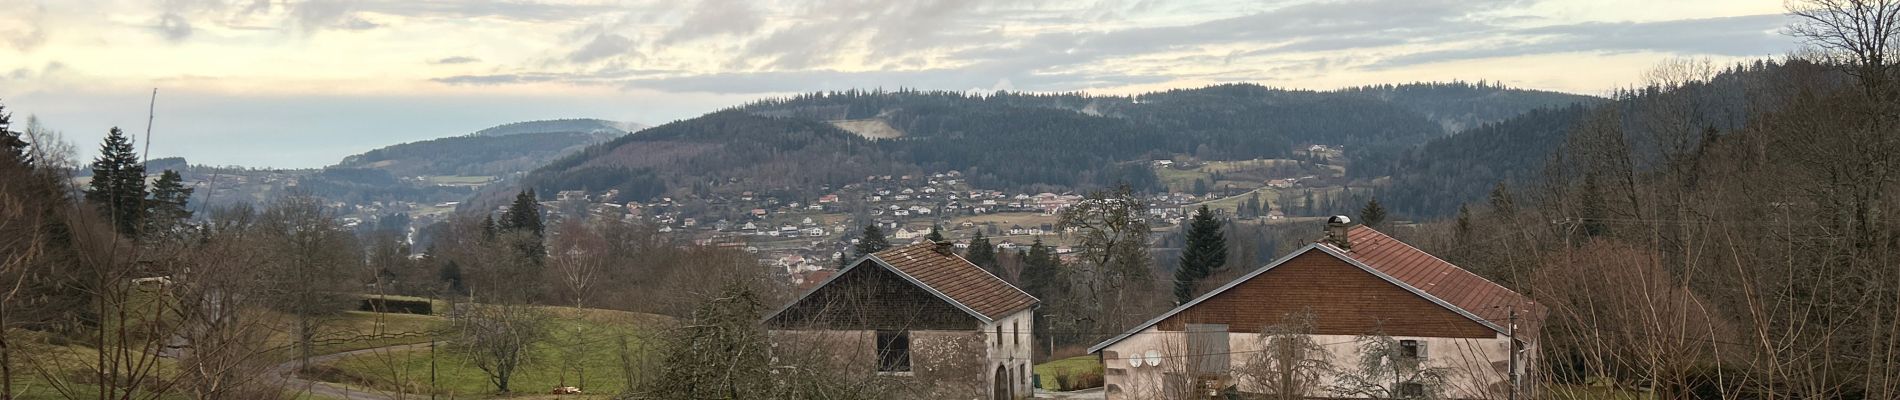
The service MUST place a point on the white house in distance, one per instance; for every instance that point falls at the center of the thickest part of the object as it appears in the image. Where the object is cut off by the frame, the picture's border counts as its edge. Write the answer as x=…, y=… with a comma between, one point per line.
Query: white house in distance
x=1355, y=285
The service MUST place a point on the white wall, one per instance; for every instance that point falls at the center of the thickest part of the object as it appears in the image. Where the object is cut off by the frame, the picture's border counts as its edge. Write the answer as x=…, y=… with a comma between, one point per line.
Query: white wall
x=1011, y=350
x=1475, y=366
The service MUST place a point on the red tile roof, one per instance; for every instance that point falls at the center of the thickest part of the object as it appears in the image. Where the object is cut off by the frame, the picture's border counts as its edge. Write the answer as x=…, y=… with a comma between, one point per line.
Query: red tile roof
x=1457, y=286
x=957, y=280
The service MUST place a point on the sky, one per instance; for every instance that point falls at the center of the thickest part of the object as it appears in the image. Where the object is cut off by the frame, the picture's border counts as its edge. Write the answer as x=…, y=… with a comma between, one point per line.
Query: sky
x=303, y=83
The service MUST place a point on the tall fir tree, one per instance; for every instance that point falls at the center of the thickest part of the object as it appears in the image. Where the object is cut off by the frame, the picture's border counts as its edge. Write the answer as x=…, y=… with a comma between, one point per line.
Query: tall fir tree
x=871, y=241
x=1041, y=275
x=1373, y=214
x=1501, y=201
x=936, y=234
x=524, y=214
x=167, y=212
x=118, y=183
x=488, y=228
x=1206, y=252
x=13, y=148
x=983, y=254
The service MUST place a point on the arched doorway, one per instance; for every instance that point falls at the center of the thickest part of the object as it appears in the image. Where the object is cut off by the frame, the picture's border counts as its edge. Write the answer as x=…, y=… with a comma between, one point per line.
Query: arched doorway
x=1001, y=383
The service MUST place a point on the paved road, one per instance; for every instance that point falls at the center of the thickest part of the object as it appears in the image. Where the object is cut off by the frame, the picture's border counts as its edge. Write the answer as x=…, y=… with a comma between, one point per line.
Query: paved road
x=1095, y=393
x=287, y=373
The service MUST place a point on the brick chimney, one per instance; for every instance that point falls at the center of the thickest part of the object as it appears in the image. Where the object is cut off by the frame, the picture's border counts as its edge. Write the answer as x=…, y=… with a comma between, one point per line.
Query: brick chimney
x=1336, y=227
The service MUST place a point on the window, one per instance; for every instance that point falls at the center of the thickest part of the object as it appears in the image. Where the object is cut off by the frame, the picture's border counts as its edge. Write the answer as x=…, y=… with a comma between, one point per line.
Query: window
x=1013, y=329
x=893, y=351
x=999, y=336
x=1411, y=349
x=1411, y=390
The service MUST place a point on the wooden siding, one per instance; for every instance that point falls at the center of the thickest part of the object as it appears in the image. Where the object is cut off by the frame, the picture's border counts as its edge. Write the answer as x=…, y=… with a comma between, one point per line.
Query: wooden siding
x=870, y=297
x=1344, y=299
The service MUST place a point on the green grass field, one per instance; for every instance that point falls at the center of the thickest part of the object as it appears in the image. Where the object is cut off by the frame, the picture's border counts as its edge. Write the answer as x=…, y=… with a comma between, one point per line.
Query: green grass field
x=584, y=345
x=1046, y=372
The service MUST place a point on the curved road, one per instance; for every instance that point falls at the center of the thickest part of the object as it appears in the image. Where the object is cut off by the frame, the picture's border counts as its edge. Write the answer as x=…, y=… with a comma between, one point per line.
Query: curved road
x=286, y=373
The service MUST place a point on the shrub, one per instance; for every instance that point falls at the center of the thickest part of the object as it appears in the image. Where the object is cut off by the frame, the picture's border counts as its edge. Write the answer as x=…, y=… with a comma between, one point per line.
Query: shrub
x=388, y=305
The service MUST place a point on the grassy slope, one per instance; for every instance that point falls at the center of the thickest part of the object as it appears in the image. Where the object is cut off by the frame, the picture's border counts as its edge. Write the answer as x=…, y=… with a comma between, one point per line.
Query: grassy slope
x=457, y=376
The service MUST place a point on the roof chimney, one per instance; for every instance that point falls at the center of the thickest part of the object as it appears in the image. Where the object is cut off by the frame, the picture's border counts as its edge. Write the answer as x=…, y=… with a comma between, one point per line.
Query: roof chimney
x=943, y=247
x=1336, y=231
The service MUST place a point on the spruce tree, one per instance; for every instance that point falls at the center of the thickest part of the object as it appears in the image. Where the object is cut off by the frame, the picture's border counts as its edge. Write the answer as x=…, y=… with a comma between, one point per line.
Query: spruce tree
x=1372, y=214
x=1501, y=200
x=167, y=211
x=871, y=241
x=488, y=228
x=936, y=234
x=1041, y=275
x=1461, y=231
x=1206, y=252
x=12, y=147
x=983, y=254
x=118, y=183
x=524, y=214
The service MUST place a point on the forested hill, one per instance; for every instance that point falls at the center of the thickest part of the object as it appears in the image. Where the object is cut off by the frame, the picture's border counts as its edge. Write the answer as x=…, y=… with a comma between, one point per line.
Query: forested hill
x=499, y=150
x=1648, y=123
x=1008, y=140
x=583, y=125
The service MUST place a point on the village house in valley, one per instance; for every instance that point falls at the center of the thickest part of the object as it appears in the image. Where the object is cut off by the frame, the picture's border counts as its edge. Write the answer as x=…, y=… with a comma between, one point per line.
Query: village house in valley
x=922, y=316
x=1447, y=332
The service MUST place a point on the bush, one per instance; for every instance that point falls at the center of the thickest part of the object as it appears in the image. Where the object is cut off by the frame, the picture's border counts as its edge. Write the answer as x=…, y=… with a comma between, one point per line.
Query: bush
x=388, y=305
x=1069, y=381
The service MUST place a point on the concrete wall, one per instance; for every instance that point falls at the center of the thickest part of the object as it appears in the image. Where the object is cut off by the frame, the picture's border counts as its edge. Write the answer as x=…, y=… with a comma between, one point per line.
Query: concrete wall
x=1010, y=351
x=944, y=364
x=1476, y=367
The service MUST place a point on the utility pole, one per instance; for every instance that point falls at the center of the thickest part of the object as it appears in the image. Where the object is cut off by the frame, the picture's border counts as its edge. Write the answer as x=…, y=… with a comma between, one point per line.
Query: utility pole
x=1512, y=332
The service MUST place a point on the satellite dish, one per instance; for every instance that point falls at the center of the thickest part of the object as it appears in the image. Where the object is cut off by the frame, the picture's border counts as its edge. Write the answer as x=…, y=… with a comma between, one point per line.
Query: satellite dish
x=1134, y=362
x=1154, y=358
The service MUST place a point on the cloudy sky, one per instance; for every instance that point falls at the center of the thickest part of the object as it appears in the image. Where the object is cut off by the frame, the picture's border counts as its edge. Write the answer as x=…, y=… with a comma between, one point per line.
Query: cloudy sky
x=302, y=83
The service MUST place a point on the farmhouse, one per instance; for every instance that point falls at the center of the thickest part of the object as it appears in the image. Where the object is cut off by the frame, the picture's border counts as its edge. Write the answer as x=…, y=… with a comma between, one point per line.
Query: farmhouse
x=1431, y=329
x=920, y=314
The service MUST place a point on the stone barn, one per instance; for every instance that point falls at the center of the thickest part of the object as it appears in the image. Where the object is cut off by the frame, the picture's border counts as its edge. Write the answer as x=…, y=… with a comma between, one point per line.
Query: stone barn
x=917, y=317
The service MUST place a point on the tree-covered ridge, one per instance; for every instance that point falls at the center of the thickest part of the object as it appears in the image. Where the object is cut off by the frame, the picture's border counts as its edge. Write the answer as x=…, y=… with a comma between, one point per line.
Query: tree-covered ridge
x=1020, y=141
x=1432, y=180
x=722, y=152
x=1461, y=106
x=476, y=155
x=582, y=125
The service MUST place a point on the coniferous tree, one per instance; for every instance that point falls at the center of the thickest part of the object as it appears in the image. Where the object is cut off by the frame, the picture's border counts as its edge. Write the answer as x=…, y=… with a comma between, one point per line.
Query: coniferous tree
x=524, y=214
x=1041, y=276
x=936, y=234
x=1501, y=200
x=118, y=183
x=167, y=211
x=1206, y=252
x=983, y=254
x=1252, y=208
x=488, y=228
x=12, y=147
x=451, y=275
x=1461, y=230
x=1592, y=207
x=871, y=241
x=1372, y=214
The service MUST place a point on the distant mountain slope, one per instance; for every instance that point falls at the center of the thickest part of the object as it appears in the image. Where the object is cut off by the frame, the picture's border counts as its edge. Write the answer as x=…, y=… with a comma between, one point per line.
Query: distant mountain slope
x=584, y=125
x=1460, y=106
x=1019, y=140
x=500, y=150
x=1434, y=179
x=717, y=151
